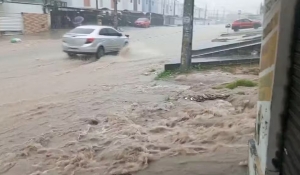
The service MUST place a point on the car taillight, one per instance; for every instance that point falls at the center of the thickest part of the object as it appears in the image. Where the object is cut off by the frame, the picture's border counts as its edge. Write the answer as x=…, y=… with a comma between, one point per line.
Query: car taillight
x=89, y=40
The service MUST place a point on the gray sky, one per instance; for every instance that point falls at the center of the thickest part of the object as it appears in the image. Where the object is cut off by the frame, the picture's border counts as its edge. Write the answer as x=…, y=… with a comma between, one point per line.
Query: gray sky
x=230, y=5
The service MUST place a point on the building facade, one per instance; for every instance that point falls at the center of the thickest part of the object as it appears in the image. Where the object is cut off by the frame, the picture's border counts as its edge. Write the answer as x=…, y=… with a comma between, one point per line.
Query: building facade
x=164, y=7
x=151, y=6
x=132, y=5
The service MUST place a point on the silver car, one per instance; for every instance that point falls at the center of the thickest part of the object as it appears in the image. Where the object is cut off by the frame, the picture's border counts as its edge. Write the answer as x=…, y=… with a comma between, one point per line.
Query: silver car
x=93, y=40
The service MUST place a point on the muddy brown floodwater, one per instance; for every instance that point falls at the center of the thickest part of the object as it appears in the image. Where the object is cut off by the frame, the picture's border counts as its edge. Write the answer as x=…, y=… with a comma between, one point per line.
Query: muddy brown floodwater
x=110, y=117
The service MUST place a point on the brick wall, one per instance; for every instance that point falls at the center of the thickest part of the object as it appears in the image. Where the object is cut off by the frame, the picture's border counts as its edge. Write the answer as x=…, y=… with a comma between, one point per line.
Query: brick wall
x=35, y=23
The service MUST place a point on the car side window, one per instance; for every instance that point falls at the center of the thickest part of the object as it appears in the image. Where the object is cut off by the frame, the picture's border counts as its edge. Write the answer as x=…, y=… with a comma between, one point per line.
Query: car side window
x=103, y=32
x=112, y=32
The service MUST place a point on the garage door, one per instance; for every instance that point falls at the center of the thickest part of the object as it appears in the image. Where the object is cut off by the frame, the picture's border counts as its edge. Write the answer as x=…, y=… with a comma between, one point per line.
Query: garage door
x=11, y=22
x=291, y=132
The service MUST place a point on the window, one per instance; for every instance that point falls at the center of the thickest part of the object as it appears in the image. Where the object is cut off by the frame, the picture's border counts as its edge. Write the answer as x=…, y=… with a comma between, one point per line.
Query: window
x=152, y=3
x=243, y=20
x=130, y=1
x=82, y=31
x=112, y=32
x=87, y=3
x=142, y=19
x=146, y=1
x=108, y=31
x=139, y=1
x=103, y=32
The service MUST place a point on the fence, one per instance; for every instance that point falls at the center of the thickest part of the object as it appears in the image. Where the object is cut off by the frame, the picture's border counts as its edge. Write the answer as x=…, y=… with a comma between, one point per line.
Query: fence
x=11, y=22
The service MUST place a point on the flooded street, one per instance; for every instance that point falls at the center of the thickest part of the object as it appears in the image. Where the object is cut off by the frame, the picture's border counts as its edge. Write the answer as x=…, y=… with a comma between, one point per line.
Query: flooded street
x=62, y=116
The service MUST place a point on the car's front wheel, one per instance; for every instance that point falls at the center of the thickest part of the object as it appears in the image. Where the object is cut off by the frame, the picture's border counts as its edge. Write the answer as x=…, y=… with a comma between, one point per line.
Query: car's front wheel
x=100, y=52
x=236, y=29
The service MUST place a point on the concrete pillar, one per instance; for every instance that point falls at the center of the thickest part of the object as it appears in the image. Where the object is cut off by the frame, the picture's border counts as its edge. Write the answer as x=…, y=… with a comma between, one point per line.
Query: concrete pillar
x=274, y=66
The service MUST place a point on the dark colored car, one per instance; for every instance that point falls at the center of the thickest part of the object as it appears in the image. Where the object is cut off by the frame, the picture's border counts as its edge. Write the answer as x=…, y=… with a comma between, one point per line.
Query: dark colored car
x=245, y=24
x=142, y=22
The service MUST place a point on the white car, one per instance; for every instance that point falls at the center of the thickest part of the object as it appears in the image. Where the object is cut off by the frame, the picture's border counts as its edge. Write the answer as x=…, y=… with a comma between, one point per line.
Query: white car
x=93, y=40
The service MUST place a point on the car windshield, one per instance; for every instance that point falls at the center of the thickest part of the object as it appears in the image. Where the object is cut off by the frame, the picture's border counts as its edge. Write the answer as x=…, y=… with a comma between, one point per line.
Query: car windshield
x=142, y=19
x=82, y=30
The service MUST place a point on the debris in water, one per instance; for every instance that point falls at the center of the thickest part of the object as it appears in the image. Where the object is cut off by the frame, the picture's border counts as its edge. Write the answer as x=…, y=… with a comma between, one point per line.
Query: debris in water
x=205, y=97
x=243, y=163
x=15, y=40
x=93, y=122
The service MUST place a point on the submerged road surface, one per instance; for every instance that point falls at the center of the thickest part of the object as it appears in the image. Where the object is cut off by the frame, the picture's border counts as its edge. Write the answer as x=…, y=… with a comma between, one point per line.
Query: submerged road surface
x=56, y=113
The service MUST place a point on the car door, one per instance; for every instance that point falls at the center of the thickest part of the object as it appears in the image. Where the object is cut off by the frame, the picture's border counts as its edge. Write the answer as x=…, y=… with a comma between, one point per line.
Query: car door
x=116, y=39
x=148, y=22
x=248, y=23
x=237, y=24
x=105, y=39
x=243, y=23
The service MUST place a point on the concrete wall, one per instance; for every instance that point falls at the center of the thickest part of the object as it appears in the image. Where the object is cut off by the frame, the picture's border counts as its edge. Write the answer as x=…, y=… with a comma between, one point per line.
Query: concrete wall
x=19, y=8
x=154, y=7
x=199, y=12
x=145, y=5
x=159, y=9
x=130, y=5
x=160, y=6
x=179, y=9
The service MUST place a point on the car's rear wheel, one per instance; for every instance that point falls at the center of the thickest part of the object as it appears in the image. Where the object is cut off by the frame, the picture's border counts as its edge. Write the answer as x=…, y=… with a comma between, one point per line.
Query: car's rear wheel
x=256, y=26
x=71, y=55
x=100, y=52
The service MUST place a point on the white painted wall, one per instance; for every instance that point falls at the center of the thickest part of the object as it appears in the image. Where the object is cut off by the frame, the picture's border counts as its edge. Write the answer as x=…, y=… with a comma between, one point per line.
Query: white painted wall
x=129, y=5
x=140, y=5
x=160, y=6
x=105, y=4
x=19, y=8
x=179, y=9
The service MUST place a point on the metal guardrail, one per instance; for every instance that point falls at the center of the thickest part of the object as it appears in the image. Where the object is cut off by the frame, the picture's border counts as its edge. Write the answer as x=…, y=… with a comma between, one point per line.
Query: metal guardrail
x=215, y=62
x=227, y=47
x=214, y=56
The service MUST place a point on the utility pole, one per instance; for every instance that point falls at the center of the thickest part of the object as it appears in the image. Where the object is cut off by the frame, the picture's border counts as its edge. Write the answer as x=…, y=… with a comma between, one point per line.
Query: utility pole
x=223, y=15
x=217, y=17
x=174, y=8
x=150, y=1
x=116, y=14
x=97, y=4
x=205, y=14
x=187, y=35
x=163, y=8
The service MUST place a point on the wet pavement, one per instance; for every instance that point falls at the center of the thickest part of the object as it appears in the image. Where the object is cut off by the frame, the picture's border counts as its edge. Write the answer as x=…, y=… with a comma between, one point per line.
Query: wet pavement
x=80, y=116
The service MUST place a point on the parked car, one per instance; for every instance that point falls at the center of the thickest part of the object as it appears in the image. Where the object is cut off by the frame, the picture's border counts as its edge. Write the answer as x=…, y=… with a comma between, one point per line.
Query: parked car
x=245, y=24
x=93, y=40
x=142, y=22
